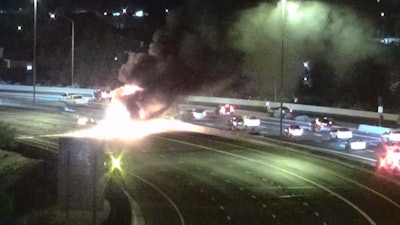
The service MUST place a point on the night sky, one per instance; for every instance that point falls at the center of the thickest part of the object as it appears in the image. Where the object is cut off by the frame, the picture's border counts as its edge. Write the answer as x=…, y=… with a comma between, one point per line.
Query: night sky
x=155, y=4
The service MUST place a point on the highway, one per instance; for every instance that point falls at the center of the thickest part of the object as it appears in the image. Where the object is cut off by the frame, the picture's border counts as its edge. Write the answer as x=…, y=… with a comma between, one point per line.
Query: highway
x=271, y=125
x=185, y=178
x=235, y=178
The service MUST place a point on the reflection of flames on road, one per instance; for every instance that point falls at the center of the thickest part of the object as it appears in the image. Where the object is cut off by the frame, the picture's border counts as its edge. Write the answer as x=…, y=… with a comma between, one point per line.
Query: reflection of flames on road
x=122, y=123
x=133, y=129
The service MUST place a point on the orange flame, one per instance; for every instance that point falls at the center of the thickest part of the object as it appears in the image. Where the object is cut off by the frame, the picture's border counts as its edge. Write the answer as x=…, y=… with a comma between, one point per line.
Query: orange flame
x=119, y=125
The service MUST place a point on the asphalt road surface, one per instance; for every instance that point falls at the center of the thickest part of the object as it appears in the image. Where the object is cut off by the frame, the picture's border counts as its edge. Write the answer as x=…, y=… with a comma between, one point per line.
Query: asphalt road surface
x=185, y=178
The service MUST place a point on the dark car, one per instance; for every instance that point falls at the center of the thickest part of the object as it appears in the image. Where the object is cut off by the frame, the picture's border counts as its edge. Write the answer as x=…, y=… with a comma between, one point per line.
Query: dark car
x=321, y=124
x=276, y=112
x=225, y=109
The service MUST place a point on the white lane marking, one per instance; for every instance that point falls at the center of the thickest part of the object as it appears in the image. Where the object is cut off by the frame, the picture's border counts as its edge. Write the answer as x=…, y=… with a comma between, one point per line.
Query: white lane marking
x=337, y=195
x=164, y=195
x=371, y=190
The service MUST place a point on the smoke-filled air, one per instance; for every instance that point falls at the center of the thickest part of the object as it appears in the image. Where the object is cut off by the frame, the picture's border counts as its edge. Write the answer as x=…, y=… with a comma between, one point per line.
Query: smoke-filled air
x=206, y=46
x=311, y=30
x=178, y=62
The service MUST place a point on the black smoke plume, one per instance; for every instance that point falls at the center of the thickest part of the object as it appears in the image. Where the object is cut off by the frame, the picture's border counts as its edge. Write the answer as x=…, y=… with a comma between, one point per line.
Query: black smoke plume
x=177, y=63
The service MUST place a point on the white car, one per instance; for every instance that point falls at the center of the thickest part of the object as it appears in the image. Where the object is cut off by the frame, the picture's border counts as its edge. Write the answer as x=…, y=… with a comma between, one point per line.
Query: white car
x=294, y=131
x=252, y=124
x=356, y=144
x=74, y=99
x=341, y=133
x=391, y=136
x=83, y=121
x=199, y=114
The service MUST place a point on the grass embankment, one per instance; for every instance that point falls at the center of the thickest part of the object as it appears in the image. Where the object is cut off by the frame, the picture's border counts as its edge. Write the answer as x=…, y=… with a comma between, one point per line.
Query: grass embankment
x=13, y=166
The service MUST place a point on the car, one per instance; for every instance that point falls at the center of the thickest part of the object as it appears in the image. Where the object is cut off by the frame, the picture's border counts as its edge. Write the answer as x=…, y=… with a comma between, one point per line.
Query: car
x=343, y=133
x=321, y=124
x=102, y=95
x=224, y=110
x=391, y=136
x=388, y=157
x=276, y=112
x=74, y=99
x=199, y=114
x=355, y=144
x=249, y=123
x=85, y=121
x=294, y=131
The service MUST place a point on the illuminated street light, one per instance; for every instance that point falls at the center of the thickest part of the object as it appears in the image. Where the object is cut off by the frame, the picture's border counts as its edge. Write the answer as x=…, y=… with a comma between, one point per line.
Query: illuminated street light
x=53, y=16
x=115, y=163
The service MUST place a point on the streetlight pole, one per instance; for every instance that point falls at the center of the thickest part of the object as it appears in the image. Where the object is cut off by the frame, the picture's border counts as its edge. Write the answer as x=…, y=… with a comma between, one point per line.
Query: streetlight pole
x=34, y=49
x=72, y=50
x=283, y=5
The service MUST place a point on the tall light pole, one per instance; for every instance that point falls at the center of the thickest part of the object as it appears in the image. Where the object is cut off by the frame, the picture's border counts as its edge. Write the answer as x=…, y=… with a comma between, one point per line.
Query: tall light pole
x=283, y=18
x=34, y=49
x=72, y=49
x=52, y=15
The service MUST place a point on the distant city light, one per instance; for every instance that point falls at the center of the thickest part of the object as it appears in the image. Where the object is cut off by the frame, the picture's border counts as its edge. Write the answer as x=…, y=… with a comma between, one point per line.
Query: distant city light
x=52, y=15
x=139, y=13
x=166, y=10
x=29, y=66
x=105, y=13
x=19, y=28
x=382, y=14
x=306, y=65
x=115, y=58
x=116, y=14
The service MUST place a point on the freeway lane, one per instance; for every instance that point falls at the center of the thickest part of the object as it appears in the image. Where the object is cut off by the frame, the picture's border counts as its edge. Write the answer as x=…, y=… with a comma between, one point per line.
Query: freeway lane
x=96, y=110
x=180, y=178
x=191, y=179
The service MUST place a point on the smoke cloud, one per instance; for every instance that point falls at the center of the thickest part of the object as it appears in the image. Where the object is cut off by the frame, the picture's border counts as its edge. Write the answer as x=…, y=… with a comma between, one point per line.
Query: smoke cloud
x=178, y=62
x=311, y=30
x=193, y=51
